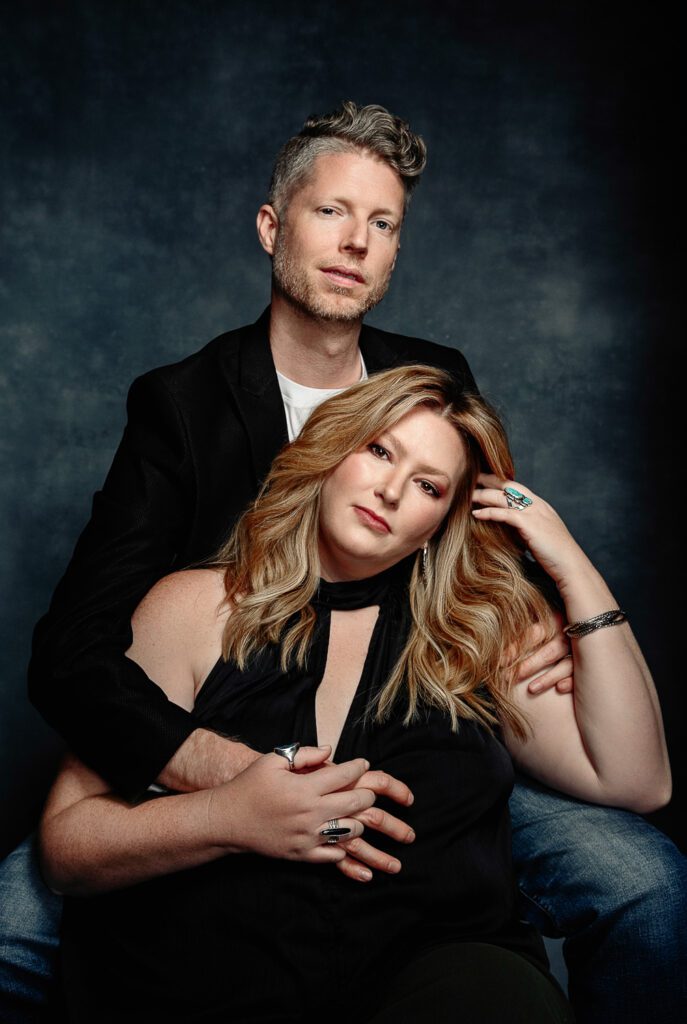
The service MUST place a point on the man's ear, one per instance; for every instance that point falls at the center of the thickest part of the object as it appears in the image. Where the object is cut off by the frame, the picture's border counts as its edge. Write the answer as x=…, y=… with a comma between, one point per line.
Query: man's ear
x=398, y=249
x=268, y=227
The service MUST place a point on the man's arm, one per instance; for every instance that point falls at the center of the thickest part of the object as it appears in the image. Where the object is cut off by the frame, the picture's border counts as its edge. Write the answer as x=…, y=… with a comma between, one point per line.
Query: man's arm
x=103, y=704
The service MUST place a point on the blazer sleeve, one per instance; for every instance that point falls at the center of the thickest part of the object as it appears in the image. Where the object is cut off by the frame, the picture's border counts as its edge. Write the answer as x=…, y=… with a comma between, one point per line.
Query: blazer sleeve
x=111, y=715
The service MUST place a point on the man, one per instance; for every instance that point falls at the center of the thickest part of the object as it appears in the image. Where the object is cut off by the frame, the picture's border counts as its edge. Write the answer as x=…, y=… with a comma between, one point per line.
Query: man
x=199, y=440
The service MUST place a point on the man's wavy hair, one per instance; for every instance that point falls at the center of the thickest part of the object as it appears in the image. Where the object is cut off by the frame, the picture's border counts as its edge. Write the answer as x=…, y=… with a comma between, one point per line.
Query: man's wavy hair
x=350, y=128
x=474, y=603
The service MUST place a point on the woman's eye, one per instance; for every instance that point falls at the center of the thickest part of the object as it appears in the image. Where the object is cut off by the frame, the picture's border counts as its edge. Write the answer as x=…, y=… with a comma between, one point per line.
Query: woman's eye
x=379, y=451
x=327, y=209
x=429, y=488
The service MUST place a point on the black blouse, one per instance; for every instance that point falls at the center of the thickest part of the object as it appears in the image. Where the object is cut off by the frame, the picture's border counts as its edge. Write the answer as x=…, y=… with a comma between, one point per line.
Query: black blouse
x=248, y=938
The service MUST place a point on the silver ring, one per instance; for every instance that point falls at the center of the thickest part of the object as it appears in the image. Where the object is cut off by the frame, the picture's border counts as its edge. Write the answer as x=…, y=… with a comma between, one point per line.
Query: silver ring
x=516, y=499
x=333, y=833
x=289, y=751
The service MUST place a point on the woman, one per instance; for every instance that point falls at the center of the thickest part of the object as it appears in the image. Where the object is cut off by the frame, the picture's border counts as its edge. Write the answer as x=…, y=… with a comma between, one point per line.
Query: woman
x=402, y=654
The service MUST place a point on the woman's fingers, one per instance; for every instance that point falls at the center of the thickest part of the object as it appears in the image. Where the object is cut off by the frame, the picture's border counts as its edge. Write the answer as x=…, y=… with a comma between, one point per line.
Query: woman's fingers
x=383, y=784
x=382, y=821
x=311, y=757
x=542, y=657
x=339, y=776
x=348, y=804
x=559, y=675
x=353, y=869
x=371, y=857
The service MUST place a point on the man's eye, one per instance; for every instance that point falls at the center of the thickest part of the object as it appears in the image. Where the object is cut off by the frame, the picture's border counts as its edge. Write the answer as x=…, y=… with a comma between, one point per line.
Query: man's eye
x=379, y=451
x=327, y=209
x=429, y=488
x=383, y=225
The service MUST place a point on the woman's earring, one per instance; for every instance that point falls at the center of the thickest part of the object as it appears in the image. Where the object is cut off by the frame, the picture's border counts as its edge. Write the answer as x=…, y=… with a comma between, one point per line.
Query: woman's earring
x=425, y=559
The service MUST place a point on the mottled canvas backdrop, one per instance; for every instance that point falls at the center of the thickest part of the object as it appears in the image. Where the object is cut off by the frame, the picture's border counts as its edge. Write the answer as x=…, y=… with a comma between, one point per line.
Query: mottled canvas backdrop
x=136, y=142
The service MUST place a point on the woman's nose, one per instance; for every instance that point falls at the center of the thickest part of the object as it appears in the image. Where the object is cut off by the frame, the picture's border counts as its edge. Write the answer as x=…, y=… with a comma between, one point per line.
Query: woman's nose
x=389, y=490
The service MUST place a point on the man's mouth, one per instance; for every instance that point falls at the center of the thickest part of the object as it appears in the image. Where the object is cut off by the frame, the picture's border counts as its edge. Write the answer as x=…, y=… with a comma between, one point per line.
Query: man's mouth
x=343, y=277
x=371, y=519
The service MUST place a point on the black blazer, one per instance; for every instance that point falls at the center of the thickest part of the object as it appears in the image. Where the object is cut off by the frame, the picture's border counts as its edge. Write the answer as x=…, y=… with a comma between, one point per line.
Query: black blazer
x=200, y=437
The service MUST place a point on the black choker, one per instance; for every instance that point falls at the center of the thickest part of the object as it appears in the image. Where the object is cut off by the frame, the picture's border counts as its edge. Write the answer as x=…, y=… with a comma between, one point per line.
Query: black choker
x=373, y=590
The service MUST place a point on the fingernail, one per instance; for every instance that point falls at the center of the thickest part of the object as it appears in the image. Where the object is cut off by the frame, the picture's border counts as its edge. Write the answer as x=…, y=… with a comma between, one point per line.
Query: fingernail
x=410, y=837
x=394, y=866
x=364, y=875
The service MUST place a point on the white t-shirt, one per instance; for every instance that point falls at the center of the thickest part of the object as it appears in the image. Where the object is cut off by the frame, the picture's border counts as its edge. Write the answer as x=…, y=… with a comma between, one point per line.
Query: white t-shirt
x=299, y=400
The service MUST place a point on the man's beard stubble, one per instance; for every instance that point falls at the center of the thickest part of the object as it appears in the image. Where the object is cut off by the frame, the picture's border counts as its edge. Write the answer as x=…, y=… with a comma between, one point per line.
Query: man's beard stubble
x=292, y=282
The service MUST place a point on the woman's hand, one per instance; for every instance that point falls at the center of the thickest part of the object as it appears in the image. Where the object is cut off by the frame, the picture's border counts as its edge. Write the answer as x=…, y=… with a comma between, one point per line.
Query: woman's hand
x=539, y=525
x=273, y=811
x=361, y=855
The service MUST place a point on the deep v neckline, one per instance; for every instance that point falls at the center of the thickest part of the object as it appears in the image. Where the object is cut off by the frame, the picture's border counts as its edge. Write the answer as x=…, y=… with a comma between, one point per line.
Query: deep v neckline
x=358, y=700
x=348, y=596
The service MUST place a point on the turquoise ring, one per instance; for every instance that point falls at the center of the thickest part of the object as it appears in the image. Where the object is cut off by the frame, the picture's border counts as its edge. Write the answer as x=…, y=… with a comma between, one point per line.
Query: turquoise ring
x=516, y=499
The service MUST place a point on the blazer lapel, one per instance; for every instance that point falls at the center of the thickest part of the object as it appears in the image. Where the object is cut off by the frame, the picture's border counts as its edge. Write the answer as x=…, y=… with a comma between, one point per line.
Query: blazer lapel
x=252, y=379
x=375, y=349
x=258, y=399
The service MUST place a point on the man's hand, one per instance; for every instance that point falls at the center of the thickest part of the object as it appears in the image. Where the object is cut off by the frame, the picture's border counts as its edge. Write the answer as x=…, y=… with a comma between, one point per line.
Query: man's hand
x=205, y=760
x=360, y=855
x=275, y=812
x=550, y=664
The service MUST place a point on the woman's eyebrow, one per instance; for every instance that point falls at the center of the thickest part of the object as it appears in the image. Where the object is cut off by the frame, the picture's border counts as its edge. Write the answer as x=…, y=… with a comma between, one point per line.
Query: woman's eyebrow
x=402, y=450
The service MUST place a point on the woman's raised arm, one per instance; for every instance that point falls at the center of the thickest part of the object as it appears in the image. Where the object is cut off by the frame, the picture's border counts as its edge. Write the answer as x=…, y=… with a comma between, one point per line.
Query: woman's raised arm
x=604, y=742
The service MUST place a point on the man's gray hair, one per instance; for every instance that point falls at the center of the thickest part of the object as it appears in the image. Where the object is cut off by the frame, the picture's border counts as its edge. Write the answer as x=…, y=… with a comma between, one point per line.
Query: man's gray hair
x=371, y=129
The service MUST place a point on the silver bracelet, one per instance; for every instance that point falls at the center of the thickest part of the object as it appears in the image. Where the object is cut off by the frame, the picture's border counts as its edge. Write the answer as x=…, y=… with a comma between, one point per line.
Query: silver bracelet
x=612, y=618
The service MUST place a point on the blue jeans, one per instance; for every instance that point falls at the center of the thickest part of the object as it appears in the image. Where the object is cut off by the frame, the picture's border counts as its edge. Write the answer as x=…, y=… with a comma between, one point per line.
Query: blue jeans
x=29, y=938
x=614, y=886
x=616, y=889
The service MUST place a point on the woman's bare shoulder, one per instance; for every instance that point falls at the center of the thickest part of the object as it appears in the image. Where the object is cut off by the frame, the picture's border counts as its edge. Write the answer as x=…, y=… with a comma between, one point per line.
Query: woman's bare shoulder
x=186, y=598
x=177, y=630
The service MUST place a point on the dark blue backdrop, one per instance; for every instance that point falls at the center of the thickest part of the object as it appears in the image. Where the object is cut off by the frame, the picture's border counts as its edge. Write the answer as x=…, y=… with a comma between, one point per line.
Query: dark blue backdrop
x=136, y=141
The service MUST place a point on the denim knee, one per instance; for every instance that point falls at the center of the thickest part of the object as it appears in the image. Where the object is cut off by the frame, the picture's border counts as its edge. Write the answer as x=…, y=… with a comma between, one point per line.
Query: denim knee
x=29, y=927
x=578, y=863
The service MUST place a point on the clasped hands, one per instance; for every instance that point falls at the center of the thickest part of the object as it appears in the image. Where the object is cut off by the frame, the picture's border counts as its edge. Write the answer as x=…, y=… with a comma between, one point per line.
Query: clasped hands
x=270, y=810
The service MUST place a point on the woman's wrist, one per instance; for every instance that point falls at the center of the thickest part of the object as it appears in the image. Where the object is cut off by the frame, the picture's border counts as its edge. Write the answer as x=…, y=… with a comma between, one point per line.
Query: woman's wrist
x=585, y=593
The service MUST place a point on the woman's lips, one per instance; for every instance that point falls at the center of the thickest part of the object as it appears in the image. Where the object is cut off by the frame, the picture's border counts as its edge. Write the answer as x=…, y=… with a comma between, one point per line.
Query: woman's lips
x=372, y=520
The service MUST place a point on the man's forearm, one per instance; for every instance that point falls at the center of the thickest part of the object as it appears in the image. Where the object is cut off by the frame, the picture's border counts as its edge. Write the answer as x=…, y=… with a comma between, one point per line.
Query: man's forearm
x=206, y=760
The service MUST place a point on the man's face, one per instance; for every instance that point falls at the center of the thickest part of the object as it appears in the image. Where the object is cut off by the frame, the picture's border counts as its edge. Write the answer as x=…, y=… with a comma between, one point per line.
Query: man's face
x=336, y=246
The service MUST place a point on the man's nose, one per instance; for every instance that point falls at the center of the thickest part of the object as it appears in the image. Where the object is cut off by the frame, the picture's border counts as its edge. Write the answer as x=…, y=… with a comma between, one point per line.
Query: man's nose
x=355, y=236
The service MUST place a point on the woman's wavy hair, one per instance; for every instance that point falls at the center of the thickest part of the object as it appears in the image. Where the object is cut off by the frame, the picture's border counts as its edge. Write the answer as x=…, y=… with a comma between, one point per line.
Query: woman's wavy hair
x=472, y=604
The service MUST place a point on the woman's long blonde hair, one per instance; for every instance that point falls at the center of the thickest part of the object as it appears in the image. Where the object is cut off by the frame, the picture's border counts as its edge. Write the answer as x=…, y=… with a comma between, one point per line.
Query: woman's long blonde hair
x=473, y=605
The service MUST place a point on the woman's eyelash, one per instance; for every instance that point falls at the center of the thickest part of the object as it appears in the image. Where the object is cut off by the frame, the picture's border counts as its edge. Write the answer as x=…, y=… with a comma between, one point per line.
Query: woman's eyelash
x=380, y=452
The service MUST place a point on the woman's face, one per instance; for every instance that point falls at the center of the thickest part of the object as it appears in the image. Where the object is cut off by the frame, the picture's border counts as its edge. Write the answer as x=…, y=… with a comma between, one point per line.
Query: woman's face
x=386, y=500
